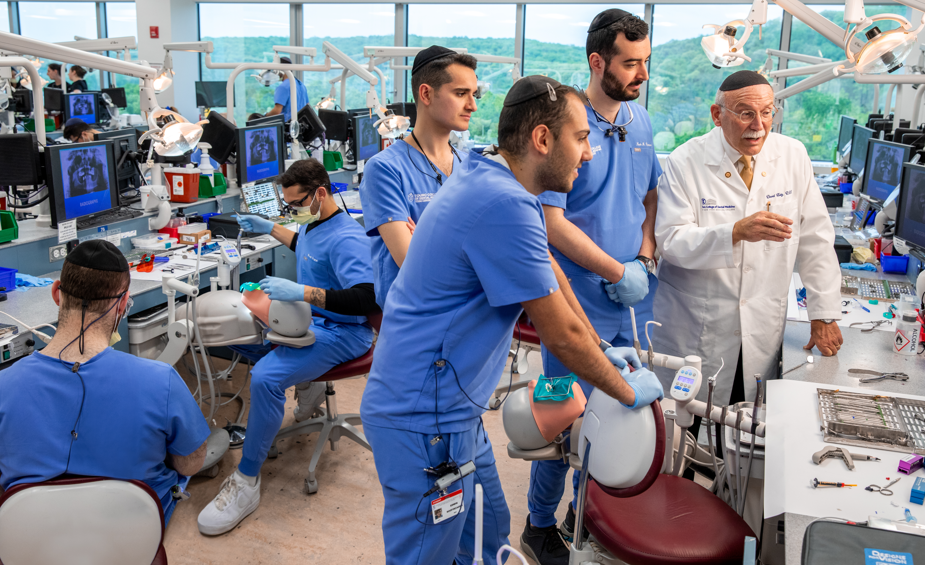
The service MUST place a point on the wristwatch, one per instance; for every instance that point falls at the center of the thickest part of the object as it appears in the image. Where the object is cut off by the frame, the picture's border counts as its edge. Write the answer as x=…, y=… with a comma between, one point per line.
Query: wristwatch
x=604, y=345
x=827, y=321
x=648, y=263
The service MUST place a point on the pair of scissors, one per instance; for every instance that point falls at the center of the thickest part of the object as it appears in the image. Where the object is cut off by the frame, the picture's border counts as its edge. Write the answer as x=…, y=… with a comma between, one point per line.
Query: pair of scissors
x=885, y=491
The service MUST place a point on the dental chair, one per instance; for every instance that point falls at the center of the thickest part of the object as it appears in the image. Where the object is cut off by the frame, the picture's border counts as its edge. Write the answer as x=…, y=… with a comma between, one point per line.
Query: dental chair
x=524, y=341
x=81, y=521
x=633, y=512
x=331, y=425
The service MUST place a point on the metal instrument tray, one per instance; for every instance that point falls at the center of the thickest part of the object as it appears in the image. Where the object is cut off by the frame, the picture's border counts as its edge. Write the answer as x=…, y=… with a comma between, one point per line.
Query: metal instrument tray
x=872, y=421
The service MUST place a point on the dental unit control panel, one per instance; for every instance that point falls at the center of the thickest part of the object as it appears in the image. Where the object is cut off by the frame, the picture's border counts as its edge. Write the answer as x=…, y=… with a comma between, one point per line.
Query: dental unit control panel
x=686, y=384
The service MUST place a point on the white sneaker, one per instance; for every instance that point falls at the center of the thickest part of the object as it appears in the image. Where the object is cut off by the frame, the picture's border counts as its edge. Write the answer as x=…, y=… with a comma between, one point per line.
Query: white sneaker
x=310, y=396
x=234, y=502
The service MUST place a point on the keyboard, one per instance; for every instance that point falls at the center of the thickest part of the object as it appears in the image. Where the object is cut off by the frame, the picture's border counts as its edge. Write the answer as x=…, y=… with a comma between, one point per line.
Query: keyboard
x=110, y=217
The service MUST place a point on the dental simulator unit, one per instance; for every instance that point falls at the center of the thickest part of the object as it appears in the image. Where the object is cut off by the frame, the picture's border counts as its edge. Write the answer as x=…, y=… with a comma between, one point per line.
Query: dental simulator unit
x=632, y=448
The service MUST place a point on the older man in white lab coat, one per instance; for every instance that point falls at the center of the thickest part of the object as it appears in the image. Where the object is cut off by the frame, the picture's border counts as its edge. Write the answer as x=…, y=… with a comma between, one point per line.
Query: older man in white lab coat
x=737, y=209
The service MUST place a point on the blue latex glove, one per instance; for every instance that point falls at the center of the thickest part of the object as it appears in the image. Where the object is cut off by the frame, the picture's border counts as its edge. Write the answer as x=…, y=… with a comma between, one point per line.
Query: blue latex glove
x=254, y=224
x=622, y=358
x=282, y=289
x=856, y=267
x=633, y=287
x=24, y=280
x=647, y=387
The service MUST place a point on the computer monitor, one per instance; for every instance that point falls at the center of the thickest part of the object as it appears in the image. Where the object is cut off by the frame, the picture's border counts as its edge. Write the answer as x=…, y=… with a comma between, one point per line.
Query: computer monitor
x=53, y=99
x=914, y=138
x=220, y=134
x=83, y=105
x=884, y=166
x=22, y=101
x=872, y=117
x=81, y=180
x=845, y=129
x=859, y=140
x=366, y=138
x=407, y=109
x=211, y=93
x=125, y=142
x=117, y=95
x=20, y=160
x=883, y=124
x=910, y=207
x=336, y=123
x=267, y=120
x=310, y=125
x=261, y=153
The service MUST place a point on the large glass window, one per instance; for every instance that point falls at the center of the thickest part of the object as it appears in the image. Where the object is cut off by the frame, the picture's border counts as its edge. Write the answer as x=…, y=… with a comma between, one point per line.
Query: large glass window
x=4, y=16
x=555, y=39
x=350, y=30
x=813, y=116
x=486, y=29
x=244, y=33
x=60, y=21
x=121, y=21
x=682, y=82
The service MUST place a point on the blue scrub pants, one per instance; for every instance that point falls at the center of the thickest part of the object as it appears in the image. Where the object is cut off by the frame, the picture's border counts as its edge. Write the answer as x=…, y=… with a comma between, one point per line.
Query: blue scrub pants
x=283, y=367
x=408, y=530
x=547, y=478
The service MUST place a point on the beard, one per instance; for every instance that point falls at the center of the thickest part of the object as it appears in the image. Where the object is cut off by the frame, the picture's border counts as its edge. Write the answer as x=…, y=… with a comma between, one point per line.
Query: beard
x=555, y=174
x=616, y=90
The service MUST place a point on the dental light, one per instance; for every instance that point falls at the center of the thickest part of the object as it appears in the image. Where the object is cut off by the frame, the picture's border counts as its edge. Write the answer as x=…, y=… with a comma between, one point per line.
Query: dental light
x=173, y=135
x=267, y=78
x=722, y=49
x=884, y=51
x=164, y=78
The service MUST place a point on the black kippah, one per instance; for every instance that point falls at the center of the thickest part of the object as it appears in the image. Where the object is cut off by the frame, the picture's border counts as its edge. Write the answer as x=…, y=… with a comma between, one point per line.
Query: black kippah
x=742, y=79
x=98, y=254
x=606, y=18
x=428, y=55
x=531, y=87
x=285, y=60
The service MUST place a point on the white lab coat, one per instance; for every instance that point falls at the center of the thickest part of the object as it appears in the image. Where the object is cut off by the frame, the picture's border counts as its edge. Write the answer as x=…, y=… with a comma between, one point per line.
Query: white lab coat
x=714, y=296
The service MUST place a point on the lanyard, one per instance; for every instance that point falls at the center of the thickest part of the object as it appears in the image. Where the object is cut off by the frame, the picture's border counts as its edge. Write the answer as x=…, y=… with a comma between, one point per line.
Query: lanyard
x=439, y=177
x=621, y=130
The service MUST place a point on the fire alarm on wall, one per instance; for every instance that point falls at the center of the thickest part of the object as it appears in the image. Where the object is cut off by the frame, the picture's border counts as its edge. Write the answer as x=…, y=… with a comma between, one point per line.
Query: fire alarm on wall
x=155, y=32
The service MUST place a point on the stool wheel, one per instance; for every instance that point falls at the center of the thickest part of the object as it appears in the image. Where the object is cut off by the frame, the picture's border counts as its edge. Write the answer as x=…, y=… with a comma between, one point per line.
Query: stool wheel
x=273, y=453
x=494, y=403
x=310, y=487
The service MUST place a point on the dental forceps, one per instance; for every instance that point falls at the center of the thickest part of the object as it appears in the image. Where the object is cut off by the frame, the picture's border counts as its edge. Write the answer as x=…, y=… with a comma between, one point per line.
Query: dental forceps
x=874, y=324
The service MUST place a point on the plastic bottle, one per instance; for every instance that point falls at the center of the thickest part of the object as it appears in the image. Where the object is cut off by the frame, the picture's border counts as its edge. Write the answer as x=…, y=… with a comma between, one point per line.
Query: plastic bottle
x=906, y=339
x=205, y=164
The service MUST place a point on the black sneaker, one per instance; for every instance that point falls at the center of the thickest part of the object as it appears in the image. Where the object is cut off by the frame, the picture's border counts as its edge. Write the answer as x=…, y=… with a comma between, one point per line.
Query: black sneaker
x=567, y=529
x=544, y=545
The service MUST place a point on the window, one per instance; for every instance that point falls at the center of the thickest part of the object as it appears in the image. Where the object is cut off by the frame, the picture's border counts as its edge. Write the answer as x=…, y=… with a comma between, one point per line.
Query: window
x=243, y=33
x=362, y=25
x=121, y=21
x=60, y=21
x=486, y=29
x=4, y=17
x=555, y=39
x=813, y=116
x=683, y=84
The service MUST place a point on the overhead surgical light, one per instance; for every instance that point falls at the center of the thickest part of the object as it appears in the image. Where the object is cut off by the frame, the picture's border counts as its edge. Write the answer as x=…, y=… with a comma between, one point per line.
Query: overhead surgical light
x=164, y=79
x=393, y=125
x=722, y=49
x=884, y=51
x=267, y=78
x=171, y=133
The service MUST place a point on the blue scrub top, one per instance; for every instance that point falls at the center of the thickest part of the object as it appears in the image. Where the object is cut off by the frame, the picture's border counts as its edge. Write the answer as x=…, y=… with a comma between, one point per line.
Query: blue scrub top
x=136, y=411
x=606, y=198
x=334, y=255
x=394, y=188
x=281, y=97
x=476, y=255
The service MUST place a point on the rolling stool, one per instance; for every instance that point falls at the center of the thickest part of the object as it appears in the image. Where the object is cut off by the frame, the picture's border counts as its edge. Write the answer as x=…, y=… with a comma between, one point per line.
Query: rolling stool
x=331, y=425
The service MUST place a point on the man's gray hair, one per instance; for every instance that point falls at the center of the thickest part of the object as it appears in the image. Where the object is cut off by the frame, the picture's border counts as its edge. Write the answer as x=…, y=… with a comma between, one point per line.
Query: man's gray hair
x=720, y=98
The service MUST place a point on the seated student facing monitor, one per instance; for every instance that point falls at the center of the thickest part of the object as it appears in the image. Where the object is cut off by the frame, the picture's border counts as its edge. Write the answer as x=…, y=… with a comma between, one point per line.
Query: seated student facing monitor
x=77, y=131
x=79, y=407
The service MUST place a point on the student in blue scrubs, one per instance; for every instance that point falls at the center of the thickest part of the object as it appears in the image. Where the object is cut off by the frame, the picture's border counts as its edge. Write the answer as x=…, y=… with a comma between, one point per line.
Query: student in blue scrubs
x=80, y=407
x=335, y=278
x=602, y=233
x=282, y=94
x=398, y=183
x=478, y=259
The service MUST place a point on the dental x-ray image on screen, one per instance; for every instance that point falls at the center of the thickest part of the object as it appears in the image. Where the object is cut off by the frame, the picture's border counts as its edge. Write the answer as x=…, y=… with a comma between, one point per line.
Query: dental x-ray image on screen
x=82, y=107
x=887, y=165
x=262, y=159
x=85, y=171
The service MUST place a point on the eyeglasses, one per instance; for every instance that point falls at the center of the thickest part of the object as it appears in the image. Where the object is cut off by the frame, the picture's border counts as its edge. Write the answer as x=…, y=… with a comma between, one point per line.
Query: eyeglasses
x=748, y=116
